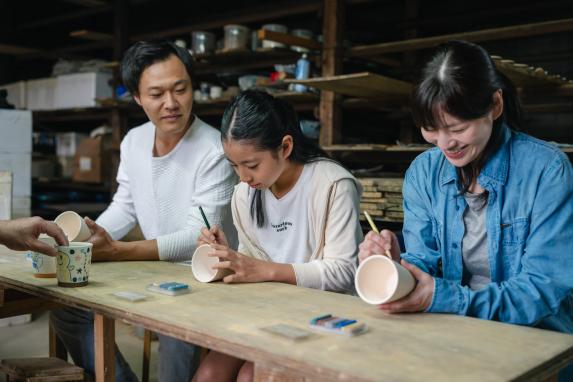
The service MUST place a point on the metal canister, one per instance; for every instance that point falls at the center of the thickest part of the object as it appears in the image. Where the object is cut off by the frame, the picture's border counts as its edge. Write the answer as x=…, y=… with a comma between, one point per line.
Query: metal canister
x=202, y=42
x=236, y=37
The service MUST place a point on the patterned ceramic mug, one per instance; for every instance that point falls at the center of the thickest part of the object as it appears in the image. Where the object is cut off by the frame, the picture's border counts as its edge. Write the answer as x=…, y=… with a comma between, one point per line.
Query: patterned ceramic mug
x=73, y=264
x=44, y=266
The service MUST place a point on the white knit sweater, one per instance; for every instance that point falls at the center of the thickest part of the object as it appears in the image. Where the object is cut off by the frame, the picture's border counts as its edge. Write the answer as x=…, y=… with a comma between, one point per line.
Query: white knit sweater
x=163, y=194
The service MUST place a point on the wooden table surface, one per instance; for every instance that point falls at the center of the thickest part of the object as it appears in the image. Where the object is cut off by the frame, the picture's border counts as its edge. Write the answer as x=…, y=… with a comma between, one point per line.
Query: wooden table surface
x=228, y=318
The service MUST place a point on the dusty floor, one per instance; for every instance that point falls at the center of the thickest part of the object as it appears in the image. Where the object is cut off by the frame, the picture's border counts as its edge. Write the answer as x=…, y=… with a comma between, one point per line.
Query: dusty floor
x=31, y=340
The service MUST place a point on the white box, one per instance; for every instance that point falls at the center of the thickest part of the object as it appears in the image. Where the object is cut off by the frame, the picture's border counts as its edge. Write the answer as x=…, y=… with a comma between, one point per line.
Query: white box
x=21, y=207
x=67, y=143
x=16, y=94
x=40, y=94
x=15, y=131
x=81, y=89
x=20, y=164
x=5, y=195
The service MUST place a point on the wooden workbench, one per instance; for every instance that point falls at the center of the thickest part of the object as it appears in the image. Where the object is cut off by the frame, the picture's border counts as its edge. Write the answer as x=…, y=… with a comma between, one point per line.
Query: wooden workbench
x=227, y=318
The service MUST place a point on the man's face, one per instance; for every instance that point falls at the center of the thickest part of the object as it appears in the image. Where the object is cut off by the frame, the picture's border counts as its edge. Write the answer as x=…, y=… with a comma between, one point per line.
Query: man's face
x=166, y=95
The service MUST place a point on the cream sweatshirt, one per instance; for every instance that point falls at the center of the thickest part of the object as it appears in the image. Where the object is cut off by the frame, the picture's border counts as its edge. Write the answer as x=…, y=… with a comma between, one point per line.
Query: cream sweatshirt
x=334, y=211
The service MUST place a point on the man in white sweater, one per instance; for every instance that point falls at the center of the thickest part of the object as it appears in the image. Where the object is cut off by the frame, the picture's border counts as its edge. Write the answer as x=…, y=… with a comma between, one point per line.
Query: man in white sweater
x=169, y=167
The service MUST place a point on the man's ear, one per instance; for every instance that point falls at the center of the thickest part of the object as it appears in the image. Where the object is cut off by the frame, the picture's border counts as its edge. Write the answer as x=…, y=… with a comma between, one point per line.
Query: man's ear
x=137, y=99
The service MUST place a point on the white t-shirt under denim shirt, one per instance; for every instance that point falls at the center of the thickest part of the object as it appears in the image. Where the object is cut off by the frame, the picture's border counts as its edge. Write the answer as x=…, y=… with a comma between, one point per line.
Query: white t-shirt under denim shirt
x=285, y=237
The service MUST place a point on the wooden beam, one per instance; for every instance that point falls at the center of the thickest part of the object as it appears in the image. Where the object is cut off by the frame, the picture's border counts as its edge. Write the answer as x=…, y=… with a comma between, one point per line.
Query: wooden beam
x=16, y=50
x=104, y=342
x=511, y=32
x=288, y=39
x=16, y=303
x=330, y=110
x=91, y=35
x=45, y=21
x=268, y=11
x=87, y=3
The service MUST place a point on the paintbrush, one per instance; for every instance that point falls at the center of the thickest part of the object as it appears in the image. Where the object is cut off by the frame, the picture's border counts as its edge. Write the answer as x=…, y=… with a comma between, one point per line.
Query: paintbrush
x=375, y=229
x=204, y=218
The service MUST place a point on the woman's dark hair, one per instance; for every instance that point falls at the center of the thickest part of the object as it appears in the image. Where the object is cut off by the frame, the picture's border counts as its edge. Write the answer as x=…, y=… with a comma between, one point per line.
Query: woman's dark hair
x=264, y=121
x=461, y=80
x=143, y=54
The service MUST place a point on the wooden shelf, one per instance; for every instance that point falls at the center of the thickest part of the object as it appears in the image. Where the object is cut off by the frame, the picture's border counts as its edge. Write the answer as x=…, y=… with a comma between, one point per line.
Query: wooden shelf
x=288, y=39
x=362, y=85
x=510, y=32
x=300, y=102
x=69, y=185
x=376, y=148
x=239, y=60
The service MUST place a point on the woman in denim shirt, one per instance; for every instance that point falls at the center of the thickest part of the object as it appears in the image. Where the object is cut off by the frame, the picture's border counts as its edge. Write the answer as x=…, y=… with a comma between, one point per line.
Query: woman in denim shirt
x=488, y=212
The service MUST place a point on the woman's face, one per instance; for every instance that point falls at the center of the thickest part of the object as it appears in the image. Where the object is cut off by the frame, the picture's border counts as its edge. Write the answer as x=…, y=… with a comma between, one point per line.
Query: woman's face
x=258, y=168
x=462, y=142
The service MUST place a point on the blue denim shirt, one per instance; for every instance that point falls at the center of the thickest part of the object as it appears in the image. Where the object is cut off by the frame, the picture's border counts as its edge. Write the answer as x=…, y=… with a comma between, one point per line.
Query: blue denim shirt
x=529, y=222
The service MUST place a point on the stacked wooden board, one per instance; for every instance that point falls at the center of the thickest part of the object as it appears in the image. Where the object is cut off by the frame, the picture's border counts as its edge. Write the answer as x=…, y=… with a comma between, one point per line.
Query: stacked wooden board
x=382, y=198
x=525, y=75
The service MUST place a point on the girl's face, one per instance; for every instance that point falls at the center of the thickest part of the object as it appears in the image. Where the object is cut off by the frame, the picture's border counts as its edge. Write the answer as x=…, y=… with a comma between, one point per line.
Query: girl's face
x=258, y=168
x=461, y=141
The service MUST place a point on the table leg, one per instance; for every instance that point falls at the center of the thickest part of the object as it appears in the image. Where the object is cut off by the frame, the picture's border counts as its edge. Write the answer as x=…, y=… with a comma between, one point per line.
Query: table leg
x=57, y=348
x=104, y=342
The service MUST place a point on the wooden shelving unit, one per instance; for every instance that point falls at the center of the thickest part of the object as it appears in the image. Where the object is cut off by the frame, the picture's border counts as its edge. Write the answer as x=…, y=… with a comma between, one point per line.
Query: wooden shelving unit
x=364, y=86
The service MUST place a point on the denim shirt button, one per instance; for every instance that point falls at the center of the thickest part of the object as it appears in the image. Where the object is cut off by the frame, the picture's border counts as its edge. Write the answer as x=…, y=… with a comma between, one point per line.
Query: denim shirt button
x=455, y=245
x=457, y=208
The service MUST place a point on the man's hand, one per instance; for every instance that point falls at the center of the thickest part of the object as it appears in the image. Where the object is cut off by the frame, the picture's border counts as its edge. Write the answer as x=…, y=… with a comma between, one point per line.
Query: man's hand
x=22, y=234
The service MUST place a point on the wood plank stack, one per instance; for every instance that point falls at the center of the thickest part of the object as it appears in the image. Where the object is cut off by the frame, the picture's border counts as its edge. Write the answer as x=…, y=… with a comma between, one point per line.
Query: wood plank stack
x=382, y=198
x=525, y=75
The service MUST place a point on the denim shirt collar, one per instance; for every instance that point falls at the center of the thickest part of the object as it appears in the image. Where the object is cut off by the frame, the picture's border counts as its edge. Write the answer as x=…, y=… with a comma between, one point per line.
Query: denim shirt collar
x=495, y=170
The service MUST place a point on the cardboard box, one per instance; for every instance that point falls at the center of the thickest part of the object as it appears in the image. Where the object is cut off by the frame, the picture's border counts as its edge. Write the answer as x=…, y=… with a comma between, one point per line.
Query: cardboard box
x=93, y=160
x=67, y=143
x=16, y=94
x=82, y=89
x=40, y=94
x=15, y=131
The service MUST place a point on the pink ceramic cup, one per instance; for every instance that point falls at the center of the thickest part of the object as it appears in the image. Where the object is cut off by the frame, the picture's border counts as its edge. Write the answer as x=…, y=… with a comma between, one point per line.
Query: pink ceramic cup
x=202, y=264
x=73, y=226
x=379, y=280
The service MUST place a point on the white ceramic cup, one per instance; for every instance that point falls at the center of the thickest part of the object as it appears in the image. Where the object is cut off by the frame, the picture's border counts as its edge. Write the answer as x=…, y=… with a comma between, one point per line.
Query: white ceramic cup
x=44, y=266
x=73, y=264
x=202, y=264
x=73, y=226
x=379, y=280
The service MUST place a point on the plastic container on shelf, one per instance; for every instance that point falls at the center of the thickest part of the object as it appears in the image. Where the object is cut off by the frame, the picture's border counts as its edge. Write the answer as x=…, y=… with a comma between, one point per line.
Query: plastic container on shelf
x=302, y=73
x=203, y=42
x=236, y=37
x=274, y=28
